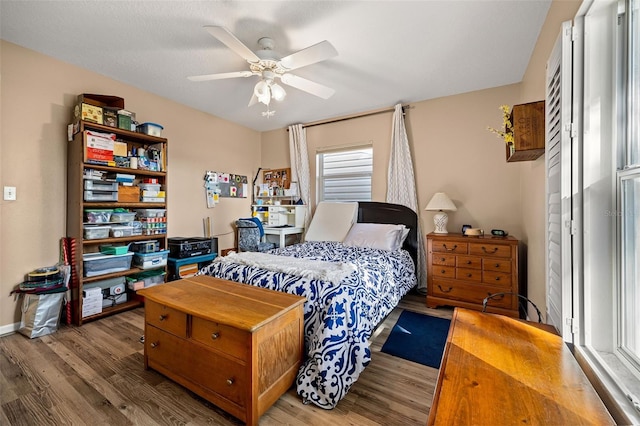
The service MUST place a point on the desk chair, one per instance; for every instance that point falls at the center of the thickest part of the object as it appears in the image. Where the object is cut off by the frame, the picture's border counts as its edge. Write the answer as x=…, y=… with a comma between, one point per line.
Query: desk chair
x=251, y=236
x=521, y=297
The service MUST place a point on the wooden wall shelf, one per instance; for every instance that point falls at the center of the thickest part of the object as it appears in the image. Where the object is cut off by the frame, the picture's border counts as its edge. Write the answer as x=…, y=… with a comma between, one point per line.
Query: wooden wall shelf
x=528, y=132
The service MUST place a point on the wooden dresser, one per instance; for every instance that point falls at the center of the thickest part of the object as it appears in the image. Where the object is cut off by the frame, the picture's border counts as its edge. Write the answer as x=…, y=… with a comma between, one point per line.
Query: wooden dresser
x=498, y=370
x=462, y=271
x=237, y=346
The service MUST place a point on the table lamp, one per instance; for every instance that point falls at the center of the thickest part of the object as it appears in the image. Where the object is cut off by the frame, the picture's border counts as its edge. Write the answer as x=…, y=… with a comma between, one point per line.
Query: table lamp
x=441, y=203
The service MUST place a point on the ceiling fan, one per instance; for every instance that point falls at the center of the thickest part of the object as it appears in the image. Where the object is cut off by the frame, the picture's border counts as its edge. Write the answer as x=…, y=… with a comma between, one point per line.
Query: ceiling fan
x=269, y=66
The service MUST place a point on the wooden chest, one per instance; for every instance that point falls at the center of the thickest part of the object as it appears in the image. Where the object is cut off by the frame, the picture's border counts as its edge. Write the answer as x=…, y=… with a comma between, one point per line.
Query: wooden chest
x=462, y=271
x=238, y=346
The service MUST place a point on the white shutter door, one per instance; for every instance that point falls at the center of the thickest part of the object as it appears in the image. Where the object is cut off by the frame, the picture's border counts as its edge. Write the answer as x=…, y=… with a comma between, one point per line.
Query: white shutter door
x=558, y=184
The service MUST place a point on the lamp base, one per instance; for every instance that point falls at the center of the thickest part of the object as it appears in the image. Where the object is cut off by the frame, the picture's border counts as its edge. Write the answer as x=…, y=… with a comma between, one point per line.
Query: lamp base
x=440, y=220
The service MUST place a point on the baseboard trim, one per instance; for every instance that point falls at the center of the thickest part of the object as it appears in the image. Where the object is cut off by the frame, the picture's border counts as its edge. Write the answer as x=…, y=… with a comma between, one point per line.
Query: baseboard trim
x=9, y=328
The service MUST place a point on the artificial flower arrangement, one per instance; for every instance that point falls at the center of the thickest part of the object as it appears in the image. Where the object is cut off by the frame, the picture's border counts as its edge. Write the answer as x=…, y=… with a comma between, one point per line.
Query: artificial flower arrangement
x=507, y=134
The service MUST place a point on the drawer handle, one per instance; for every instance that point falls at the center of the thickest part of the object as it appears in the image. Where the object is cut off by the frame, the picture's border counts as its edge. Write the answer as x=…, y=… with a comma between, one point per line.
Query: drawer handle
x=495, y=249
x=497, y=278
x=468, y=262
x=497, y=265
x=215, y=335
x=442, y=259
x=443, y=271
x=230, y=381
x=155, y=345
x=469, y=275
x=163, y=317
x=443, y=290
x=450, y=249
x=496, y=296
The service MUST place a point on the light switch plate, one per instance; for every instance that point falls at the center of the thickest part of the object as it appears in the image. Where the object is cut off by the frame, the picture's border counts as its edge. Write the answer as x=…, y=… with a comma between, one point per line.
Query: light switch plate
x=9, y=193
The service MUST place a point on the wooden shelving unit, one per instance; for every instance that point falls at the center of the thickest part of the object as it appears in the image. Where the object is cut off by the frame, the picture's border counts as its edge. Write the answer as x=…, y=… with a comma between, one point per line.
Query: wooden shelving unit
x=76, y=205
x=528, y=132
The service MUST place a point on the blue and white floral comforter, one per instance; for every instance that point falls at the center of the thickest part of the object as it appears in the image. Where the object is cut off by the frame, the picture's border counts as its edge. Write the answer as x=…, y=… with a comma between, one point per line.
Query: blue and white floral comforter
x=339, y=318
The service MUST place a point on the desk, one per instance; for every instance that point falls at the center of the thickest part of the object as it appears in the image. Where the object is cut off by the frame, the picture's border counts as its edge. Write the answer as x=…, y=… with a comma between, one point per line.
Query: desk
x=283, y=232
x=498, y=370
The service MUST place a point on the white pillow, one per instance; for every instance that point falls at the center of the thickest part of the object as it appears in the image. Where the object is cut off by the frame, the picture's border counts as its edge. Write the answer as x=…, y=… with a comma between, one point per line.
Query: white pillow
x=376, y=235
x=331, y=221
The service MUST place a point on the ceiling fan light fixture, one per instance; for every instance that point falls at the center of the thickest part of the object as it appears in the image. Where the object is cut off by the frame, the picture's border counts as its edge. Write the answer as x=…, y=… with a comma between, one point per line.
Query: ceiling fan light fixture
x=277, y=92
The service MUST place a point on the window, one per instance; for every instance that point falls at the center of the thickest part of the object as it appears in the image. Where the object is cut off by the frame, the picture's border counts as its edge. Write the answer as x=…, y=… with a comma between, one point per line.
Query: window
x=628, y=192
x=606, y=304
x=344, y=175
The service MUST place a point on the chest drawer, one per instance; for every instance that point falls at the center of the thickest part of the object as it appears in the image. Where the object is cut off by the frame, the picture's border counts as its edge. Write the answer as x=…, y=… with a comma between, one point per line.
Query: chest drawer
x=495, y=250
x=165, y=318
x=471, y=293
x=444, y=259
x=469, y=262
x=474, y=275
x=197, y=364
x=498, y=265
x=449, y=247
x=497, y=278
x=221, y=337
x=444, y=271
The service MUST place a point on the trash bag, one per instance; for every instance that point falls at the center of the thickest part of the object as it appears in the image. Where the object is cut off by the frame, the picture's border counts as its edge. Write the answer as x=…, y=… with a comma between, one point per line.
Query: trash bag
x=40, y=314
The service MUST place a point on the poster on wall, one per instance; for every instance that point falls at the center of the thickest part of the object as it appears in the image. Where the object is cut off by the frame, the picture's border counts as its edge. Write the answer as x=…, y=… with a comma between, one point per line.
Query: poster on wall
x=219, y=184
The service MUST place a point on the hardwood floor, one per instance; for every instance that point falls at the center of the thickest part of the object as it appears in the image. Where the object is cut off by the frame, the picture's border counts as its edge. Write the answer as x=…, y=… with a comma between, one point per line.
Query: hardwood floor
x=94, y=375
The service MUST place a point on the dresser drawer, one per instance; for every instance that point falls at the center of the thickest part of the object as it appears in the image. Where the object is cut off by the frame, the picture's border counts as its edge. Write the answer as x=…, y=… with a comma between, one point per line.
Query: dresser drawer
x=498, y=279
x=496, y=250
x=444, y=259
x=471, y=293
x=449, y=247
x=221, y=337
x=469, y=262
x=473, y=275
x=498, y=265
x=444, y=271
x=165, y=318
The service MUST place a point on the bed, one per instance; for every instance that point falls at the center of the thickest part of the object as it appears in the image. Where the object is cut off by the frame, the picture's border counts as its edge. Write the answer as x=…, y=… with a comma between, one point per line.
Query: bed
x=351, y=291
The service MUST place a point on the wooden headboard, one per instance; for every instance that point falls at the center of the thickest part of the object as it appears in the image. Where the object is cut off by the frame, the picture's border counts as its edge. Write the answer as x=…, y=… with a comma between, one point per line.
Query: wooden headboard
x=395, y=214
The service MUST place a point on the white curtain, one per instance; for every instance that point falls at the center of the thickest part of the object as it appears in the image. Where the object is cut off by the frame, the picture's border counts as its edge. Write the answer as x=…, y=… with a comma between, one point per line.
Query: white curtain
x=300, y=167
x=401, y=184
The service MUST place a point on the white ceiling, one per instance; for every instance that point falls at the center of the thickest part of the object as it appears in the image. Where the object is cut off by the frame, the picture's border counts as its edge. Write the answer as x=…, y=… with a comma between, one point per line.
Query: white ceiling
x=388, y=51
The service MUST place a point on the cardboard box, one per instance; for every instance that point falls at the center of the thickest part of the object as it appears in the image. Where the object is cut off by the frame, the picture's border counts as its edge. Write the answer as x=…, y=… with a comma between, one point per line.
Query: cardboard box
x=89, y=107
x=98, y=146
x=110, y=117
x=128, y=194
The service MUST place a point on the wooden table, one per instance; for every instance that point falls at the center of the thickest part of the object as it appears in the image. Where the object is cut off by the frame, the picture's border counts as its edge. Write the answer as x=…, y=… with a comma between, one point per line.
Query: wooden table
x=498, y=370
x=238, y=346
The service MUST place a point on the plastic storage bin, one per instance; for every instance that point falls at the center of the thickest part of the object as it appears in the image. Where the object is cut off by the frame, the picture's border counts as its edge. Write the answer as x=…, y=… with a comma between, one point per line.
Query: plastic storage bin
x=109, y=249
x=151, y=129
x=120, y=217
x=151, y=212
x=145, y=279
x=151, y=260
x=150, y=246
x=100, y=196
x=98, y=215
x=97, y=263
x=96, y=232
x=100, y=185
x=121, y=231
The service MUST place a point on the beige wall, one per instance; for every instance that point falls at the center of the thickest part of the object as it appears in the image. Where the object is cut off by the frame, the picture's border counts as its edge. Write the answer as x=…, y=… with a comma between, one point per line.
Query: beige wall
x=453, y=152
x=37, y=95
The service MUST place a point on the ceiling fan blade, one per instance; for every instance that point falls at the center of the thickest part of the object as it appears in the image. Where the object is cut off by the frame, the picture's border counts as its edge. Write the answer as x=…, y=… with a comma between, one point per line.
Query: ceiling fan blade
x=312, y=54
x=253, y=101
x=232, y=42
x=220, y=76
x=312, y=87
